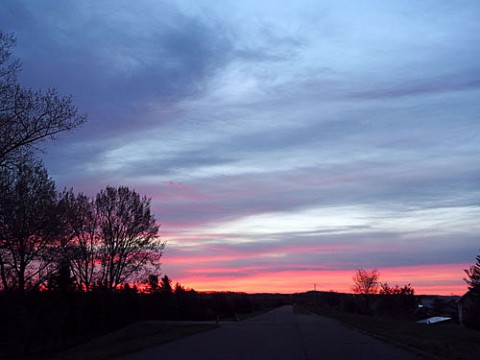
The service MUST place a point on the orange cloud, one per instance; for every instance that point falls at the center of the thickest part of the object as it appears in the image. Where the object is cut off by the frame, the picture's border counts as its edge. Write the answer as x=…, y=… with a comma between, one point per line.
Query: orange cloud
x=440, y=279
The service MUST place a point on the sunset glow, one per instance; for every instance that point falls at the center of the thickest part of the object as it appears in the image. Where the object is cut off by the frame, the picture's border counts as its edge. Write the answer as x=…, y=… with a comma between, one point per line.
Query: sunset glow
x=283, y=144
x=438, y=279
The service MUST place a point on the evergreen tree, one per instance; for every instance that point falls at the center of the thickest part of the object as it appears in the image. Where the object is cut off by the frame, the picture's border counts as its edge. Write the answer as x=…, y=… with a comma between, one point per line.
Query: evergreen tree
x=152, y=283
x=166, y=285
x=473, y=277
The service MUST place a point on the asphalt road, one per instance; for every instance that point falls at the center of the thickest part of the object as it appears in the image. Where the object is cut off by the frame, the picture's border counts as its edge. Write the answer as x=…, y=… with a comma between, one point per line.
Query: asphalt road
x=279, y=334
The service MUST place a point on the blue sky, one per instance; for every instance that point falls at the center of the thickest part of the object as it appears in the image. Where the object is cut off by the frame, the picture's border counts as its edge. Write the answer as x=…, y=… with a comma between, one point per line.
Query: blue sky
x=305, y=139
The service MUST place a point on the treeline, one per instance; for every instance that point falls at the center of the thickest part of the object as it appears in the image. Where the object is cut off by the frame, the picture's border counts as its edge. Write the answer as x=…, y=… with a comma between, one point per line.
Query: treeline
x=370, y=297
x=63, y=240
x=393, y=305
x=65, y=258
x=51, y=239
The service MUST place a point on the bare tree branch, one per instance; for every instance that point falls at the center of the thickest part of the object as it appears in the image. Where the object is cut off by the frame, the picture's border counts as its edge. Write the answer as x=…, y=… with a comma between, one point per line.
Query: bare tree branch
x=28, y=117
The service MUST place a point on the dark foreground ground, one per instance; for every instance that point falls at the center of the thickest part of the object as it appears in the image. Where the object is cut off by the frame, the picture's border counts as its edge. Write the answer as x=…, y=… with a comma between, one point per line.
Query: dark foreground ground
x=279, y=334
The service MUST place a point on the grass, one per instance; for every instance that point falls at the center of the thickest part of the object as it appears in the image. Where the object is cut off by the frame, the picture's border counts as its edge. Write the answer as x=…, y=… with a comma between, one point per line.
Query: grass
x=140, y=336
x=135, y=337
x=439, y=341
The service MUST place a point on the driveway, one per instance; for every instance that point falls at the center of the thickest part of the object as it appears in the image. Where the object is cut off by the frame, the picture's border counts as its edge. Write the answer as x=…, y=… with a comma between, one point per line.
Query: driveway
x=278, y=334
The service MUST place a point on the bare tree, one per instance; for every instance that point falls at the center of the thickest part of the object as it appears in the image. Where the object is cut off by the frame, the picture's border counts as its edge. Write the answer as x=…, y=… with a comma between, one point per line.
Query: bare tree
x=81, y=245
x=28, y=117
x=28, y=226
x=366, y=282
x=128, y=233
x=9, y=67
x=109, y=239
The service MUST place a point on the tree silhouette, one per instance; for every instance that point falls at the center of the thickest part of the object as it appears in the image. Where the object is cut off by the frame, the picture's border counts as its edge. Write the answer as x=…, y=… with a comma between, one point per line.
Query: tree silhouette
x=152, y=283
x=28, y=117
x=406, y=290
x=109, y=239
x=365, y=282
x=128, y=231
x=473, y=276
x=28, y=225
x=166, y=285
x=60, y=278
x=80, y=221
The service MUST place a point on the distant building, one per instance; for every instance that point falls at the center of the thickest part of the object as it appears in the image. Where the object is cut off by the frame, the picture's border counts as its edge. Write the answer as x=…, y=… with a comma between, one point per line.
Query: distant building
x=432, y=305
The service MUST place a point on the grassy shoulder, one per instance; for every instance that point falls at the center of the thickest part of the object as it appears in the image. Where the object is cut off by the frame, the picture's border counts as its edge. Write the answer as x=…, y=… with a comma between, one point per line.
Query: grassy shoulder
x=143, y=335
x=440, y=341
x=132, y=338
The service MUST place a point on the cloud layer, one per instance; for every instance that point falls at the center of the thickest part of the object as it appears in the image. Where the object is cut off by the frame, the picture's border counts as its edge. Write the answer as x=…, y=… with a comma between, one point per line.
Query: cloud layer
x=278, y=142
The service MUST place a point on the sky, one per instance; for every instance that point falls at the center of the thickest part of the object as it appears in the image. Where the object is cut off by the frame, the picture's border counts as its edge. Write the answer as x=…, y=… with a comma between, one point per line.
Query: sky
x=283, y=144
